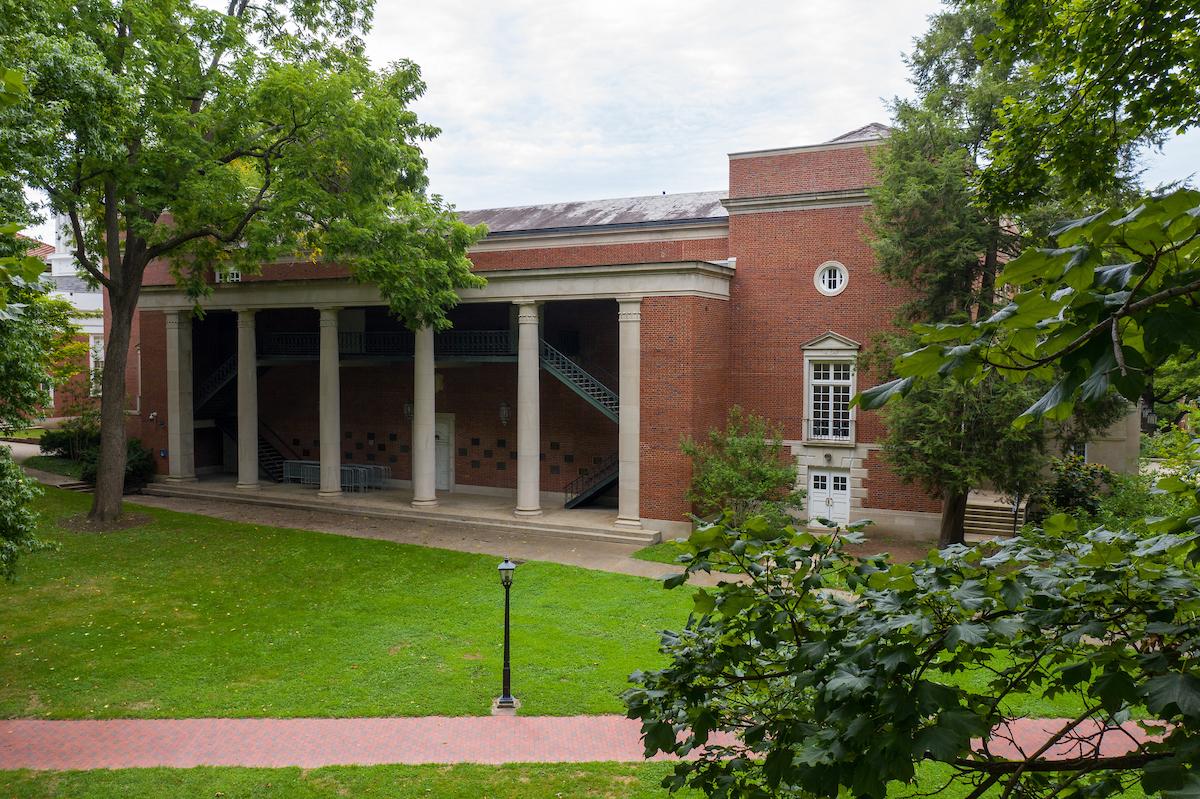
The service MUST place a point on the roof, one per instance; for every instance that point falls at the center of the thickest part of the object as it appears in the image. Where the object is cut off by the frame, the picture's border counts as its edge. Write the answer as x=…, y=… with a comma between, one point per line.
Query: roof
x=72, y=284
x=654, y=209
x=38, y=249
x=872, y=131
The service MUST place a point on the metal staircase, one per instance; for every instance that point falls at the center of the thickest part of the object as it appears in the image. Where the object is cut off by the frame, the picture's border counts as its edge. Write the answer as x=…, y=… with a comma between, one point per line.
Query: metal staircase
x=220, y=377
x=588, y=486
x=579, y=380
x=270, y=459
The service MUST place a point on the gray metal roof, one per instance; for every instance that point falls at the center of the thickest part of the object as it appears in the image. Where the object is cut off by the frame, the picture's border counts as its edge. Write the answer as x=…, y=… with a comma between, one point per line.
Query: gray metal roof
x=655, y=209
x=872, y=131
x=70, y=283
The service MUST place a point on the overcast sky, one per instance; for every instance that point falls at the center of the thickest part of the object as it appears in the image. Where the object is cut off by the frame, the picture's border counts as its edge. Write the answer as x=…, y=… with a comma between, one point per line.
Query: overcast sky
x=545, y=100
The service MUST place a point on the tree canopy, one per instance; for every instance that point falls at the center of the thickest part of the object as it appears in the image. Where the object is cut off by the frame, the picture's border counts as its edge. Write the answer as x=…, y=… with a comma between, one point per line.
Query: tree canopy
x=224, y=138
x=1099, y=79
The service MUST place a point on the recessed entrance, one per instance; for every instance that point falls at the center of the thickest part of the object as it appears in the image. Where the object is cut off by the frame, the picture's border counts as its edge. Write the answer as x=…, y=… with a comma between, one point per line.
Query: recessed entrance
x=829, y=494
x=443, y=441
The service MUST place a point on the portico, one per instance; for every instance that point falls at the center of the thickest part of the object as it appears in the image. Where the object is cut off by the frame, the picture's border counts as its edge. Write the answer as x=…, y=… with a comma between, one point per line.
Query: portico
x=539, y=305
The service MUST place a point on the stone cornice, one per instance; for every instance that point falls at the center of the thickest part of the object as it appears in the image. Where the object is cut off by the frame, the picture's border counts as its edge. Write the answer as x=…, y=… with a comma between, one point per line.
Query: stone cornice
x=672, y=279
x=797, y=202
x=603, y=234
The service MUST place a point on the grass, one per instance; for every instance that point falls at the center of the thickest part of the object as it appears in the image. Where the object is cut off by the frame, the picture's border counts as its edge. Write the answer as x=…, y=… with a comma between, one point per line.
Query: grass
x=24, y=433
x=665, y=551
x=188, y=616
x=55, y=465
x=526, y=781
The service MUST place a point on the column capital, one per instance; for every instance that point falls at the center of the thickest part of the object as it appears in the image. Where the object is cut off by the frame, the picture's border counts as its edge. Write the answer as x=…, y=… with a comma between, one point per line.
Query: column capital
x=329, y=316
x=178, y=319
x=527, y=312
x=245, y=316
x=629, y=309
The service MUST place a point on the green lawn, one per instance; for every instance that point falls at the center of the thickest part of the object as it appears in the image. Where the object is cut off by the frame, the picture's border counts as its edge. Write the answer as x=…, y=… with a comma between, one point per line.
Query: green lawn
x=55, y=465
x=190, y=616
x=665, y=551
x=516, y=781
x=24, y=433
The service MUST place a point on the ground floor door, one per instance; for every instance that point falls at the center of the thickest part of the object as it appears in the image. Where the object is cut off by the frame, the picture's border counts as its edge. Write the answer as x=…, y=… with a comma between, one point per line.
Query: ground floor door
x=443, y=447
x=829, y=494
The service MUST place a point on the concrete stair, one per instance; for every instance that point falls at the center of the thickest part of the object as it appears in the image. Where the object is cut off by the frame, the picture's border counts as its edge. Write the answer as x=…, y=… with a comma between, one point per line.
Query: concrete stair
x=640, y=538
x=989, y=520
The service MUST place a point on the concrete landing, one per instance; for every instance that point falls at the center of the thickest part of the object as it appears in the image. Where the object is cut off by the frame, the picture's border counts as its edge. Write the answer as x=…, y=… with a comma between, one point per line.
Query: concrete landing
x=481, y=510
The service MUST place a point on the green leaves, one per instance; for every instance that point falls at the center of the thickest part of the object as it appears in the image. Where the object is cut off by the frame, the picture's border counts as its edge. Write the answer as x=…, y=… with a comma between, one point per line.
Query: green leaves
x=826, y=694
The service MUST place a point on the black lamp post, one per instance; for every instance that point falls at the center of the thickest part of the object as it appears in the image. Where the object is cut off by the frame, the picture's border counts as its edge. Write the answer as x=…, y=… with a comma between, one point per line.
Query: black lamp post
x=506, y=701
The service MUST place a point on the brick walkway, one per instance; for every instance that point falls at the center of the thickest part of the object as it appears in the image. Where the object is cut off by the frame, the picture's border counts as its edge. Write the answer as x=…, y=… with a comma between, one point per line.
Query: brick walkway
x=311, y=743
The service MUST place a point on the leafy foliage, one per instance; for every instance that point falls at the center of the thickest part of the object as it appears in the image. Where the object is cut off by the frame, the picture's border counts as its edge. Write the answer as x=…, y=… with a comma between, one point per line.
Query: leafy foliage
x=778, y=686
x=74, y=437
x=225, y=138
x=139, y=464
x=1075, y=487
x=1103, y=307
x=18, y=521
x=1098, y=78
x=37, y=349
x=743, y=469
x=950, y=437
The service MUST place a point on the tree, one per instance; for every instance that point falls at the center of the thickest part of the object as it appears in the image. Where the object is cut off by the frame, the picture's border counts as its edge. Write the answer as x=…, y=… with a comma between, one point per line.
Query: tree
x=743, y=470
x=951, y=438
x=778, y=686
x=1100, y=79
x=227, y=137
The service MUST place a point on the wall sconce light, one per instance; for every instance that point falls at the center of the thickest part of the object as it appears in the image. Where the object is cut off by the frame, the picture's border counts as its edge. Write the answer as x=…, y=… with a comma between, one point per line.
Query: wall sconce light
x=828, y=458
x=408, y=411
x=505, y=412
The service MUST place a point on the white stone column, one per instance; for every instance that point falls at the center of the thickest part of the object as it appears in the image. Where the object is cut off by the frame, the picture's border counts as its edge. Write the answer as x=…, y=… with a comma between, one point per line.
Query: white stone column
x=529, y=423
x=247, y=402
x=331, y=406
x=181, y=436
x=424, y=454
x=629, y=434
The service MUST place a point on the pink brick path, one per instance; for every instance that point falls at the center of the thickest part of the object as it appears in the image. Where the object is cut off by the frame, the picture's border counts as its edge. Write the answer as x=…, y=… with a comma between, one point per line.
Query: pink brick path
x=309, y=743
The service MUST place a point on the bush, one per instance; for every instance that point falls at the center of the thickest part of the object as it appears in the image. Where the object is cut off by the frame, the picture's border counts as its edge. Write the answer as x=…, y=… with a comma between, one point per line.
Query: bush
x=139, y=465
x=74, y=438
x=744, y=470
x=17, y=520
x=1076, y=487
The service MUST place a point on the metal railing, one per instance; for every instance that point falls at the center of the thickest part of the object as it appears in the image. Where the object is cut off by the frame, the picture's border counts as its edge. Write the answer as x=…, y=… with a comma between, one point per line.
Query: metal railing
x=839, y=429
x=581, y=485
x=448, y=344
x=580, y=381
x=216, y=381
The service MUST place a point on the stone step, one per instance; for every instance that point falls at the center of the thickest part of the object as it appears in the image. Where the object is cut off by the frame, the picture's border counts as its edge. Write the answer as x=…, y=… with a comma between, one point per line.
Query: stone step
x=639, y=538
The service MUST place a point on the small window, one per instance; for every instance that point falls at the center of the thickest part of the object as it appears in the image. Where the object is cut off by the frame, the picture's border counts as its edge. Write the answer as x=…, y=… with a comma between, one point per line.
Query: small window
x=818, y=482
x=839, y=483
x=95, y=364
x=228, y=276
x=831, y=278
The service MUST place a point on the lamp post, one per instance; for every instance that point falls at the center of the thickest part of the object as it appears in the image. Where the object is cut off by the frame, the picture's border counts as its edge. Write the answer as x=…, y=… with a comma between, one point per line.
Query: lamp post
x=506, y=702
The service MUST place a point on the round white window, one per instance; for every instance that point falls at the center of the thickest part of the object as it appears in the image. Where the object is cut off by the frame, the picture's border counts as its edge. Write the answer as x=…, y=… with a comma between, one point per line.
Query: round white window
x=831, y=278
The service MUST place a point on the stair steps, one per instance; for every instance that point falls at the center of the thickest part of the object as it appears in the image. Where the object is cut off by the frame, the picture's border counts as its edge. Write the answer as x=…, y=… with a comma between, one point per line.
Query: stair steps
x=640, y=538
x=579, y=380
x=991, y=520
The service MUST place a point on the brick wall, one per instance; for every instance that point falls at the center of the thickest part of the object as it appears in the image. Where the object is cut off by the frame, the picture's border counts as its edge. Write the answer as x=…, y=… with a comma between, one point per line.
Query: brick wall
x=152, y=333
x=886, y=490
x=801, y=172
x=74, y=394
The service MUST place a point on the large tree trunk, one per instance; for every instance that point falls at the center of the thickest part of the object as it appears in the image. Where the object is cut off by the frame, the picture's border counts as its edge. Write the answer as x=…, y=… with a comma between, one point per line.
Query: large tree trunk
x=110, y=471
x=954, y=515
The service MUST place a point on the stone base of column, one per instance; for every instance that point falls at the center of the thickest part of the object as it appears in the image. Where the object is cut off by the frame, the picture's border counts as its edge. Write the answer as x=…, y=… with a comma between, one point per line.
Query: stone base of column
x=628, y=523
x=247, y=486
x=337, y=492
x=527, y=512
x=424, y=503
x=173, y=478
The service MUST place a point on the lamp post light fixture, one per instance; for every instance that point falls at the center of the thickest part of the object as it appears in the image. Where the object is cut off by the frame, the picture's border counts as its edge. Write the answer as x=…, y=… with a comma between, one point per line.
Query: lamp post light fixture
x=505, y=413
x=507, y=703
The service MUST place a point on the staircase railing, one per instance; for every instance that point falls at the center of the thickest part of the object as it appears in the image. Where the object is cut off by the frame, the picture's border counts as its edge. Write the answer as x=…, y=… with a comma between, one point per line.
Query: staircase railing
x=579, y=380
x=582, y=485
x=216, y=380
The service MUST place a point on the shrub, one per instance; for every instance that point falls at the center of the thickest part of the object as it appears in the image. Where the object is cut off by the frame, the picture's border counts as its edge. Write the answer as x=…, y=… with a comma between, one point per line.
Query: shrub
x=742, y=469
x=139, y=464
x=1075, y=487
x=74, y=438
x=17, y=520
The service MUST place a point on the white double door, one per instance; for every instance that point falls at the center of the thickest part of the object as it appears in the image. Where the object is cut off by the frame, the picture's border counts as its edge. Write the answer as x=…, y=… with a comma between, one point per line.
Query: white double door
x=829, y=494
x=443, y=450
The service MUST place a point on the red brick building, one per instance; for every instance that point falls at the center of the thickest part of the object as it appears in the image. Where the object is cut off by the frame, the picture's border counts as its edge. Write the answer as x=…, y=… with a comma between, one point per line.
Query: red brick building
x=607, y=331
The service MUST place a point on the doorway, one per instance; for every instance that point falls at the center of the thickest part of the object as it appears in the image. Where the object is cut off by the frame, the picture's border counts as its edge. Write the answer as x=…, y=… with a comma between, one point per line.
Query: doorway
x=829, y=494
x=443, y=448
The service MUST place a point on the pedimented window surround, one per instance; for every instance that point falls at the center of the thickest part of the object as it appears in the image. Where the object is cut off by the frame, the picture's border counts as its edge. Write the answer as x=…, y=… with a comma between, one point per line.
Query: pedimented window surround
x=830, y=380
